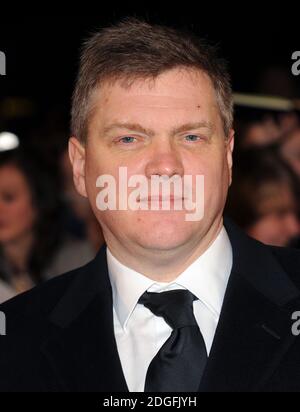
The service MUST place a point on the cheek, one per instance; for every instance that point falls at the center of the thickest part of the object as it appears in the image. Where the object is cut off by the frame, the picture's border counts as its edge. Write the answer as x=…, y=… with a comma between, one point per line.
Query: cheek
x=95, y=166
x=105, y=165
x=99, y=161
x=23, y=214
x=215, y=172
x=20, y=219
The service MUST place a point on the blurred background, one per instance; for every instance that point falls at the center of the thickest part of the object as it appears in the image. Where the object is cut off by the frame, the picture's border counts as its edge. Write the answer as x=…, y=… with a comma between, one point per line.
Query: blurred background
x=45, y=227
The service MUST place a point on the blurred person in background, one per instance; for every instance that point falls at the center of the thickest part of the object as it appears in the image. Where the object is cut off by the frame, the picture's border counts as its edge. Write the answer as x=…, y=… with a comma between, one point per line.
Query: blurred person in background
x=32, y=245
x=290, y=150
x=262, y=199
x=267, y=129
x=271, y=111
x=261, y=133
x=77, y=220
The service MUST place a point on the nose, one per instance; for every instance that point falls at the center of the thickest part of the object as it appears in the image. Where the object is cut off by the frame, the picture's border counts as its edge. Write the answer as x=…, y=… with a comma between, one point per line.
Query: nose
x=164, y=159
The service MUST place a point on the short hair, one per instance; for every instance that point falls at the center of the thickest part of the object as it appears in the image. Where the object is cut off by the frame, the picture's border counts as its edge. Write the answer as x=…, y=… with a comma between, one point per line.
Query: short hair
x=134, y=49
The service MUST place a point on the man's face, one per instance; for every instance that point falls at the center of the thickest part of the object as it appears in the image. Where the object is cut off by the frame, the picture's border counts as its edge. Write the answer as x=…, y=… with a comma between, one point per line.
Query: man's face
x=171, y=126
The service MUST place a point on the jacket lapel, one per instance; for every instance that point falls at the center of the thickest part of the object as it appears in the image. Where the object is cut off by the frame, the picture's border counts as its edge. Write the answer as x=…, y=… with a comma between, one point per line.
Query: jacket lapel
x=254, y=330
x=82, y=349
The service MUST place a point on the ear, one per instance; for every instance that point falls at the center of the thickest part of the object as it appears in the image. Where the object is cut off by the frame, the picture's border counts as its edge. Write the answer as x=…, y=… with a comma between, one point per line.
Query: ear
x=229, y=151
x=77, y=157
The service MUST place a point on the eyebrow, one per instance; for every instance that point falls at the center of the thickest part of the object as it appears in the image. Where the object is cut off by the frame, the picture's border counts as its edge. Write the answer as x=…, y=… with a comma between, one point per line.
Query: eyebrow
x=128, y=126
x=139, y=128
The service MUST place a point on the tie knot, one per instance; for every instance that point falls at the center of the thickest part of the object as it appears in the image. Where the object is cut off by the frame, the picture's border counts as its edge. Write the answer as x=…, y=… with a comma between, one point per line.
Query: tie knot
x=175, y=306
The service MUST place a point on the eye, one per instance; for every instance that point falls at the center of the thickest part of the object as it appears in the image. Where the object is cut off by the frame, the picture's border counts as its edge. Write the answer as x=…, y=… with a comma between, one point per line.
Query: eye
x=192, y=137
x=127, y=139
x=8, y=197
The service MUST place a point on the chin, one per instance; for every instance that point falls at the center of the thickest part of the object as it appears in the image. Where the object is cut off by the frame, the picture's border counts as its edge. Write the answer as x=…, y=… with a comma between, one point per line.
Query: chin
x=165, y=219
x=167, y=230
x=161, y=246
x=158, y=239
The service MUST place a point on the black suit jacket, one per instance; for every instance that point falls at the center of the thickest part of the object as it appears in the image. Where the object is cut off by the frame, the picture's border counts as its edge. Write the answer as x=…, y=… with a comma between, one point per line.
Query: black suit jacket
x=60, y=335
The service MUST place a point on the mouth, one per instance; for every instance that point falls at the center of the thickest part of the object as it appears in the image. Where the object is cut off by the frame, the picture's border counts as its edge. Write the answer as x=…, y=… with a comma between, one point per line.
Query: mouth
x=161, y=199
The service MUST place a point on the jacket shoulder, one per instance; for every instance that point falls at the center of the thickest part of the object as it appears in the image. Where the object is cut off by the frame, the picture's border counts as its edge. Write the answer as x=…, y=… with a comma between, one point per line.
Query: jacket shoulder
x=35, y=305
x=289, y=259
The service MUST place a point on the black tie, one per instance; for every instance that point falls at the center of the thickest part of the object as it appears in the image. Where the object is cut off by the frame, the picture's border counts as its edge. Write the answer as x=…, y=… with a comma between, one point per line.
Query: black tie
x=179, y=364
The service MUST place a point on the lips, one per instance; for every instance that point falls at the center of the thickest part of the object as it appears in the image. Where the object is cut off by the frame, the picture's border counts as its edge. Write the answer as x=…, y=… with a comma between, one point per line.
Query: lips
x=161, y=199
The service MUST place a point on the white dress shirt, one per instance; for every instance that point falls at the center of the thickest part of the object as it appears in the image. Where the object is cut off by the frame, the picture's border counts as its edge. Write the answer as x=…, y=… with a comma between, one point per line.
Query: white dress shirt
x=139, y=333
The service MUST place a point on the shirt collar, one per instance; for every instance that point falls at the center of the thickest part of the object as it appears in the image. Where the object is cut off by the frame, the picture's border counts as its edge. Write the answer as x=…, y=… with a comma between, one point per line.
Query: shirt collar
x=206, y=278
x=127, y=287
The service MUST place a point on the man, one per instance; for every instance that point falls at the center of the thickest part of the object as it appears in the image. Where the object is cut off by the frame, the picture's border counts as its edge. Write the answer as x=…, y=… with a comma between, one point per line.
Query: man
x=170, y=303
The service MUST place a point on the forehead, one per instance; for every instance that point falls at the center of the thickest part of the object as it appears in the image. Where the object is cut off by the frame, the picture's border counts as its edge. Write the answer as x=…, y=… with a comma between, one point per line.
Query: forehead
x=11, y=177
x=177, y=90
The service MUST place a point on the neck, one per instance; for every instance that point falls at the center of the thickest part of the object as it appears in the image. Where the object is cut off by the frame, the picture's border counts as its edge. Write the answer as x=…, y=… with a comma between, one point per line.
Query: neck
x=17, y=252
x=162, y=265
